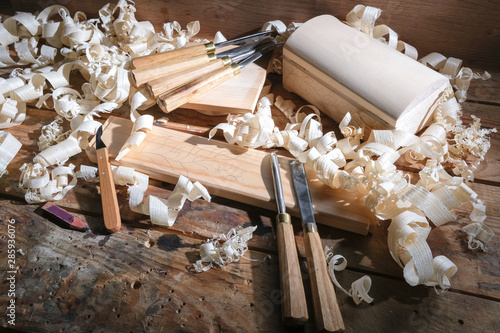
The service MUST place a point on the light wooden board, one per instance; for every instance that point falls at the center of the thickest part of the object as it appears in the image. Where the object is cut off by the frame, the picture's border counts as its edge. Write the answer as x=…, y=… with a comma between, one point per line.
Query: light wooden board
x=238, y=95
x=231, y=172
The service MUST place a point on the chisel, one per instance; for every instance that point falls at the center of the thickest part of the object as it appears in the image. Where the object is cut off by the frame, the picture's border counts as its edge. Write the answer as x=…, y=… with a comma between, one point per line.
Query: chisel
x=191, y=51
x=326, y=309
x=140, y=76
x=294, y=305
x=110, y=207
x=184, y=94
x=164, y=84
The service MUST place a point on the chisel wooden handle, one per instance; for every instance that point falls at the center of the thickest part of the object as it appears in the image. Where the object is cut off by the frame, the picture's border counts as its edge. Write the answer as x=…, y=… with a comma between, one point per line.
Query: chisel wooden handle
x=149, y=73
x=294, y=305
x=182, y=95
x=179, y=54
x=167, y=83
x=326, y=309
x=110, y=207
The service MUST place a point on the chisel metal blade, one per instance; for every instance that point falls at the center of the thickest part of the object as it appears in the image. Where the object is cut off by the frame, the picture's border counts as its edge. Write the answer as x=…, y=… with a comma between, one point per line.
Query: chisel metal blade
x=302, y=191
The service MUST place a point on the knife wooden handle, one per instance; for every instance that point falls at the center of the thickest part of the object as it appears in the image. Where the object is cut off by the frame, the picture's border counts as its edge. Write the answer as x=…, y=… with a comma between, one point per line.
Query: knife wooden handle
x=294, y=305
x=110, y=207
x=149, y=73
x=179, y=54
x=172, y=100
x=326, y=309
x=167, y=83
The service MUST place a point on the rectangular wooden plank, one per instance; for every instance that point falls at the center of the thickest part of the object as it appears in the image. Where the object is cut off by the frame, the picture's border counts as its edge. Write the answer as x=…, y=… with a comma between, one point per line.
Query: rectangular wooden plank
x=231, y=172
x=238, y=95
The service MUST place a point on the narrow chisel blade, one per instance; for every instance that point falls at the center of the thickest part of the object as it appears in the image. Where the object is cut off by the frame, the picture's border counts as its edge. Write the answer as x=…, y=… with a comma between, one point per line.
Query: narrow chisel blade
x=302, y=191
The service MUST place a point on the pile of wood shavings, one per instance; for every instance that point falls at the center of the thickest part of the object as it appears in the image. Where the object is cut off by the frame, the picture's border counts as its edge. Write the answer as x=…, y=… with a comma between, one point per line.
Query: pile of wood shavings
x=369, y=167
x=100, y=50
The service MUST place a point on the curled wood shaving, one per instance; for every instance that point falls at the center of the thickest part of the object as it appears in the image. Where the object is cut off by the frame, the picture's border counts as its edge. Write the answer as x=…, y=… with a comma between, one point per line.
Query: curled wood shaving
x=100, y=50
x=43, y=185
x=478, y=234
x=249, y=130
x=162, y=212
x=368, y=167
x=359, y=288
x=223, y=249
x=52, y=134
x=9, y=146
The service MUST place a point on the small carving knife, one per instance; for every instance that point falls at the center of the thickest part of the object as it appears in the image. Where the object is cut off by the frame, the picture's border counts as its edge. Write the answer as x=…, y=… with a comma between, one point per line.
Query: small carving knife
x=294, y=306
x=326, y=309
x=110, y=207
x=191, y=51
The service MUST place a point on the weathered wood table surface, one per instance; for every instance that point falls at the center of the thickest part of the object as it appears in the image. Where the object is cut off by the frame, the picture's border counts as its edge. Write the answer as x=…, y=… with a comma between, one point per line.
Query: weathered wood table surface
x=139, y=279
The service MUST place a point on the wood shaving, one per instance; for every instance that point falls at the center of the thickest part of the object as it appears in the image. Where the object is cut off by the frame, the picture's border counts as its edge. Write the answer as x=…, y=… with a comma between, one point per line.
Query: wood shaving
x=249, y=130
x=368, y=167
x=9, y=147
x=100, y=50
x=223, y=249
x=52, y=134
x=162, y=212
x=359, y=288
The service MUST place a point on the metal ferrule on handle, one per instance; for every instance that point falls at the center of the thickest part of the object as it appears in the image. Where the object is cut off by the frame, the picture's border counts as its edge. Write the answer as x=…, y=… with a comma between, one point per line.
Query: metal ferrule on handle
x=210, y=47
x=310, y=227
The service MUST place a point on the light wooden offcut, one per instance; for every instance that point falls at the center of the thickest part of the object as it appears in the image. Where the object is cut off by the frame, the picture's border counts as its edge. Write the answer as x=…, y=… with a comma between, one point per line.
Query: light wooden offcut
x=231, y=172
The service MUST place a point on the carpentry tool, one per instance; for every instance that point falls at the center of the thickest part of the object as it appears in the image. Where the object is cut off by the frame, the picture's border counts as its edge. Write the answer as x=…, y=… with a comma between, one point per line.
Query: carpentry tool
x=294, y=306
x=146, y=74
x=60, y=216
x=110, y=207
x=191, y=51
x=326, y=309
x=176, y=98
x=164, y=84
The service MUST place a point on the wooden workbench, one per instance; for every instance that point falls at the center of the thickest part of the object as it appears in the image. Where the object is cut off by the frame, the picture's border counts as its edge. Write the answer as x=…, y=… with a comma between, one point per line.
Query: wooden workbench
x=139, y=279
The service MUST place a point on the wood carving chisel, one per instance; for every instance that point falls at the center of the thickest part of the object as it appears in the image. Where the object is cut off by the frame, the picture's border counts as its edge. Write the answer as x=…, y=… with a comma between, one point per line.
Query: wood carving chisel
x=140, y=76
x=294, y=305
x=326, y=309
x=110, y=207
x=191, y=51
x=164, y=84
x=184, y=94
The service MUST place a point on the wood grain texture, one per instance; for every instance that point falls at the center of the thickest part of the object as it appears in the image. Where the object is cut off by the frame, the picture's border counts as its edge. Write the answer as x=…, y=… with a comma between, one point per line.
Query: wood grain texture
x=174, y=55
x=167, y=83
x=294, y=307
x=184, y=94
x=463, y=29
x=368, y=79
x=236, y=96
x=131, y=280
x=69, y=281
x=110, y=207
x=327, y=314
x=144, y=74
x=230, y=171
